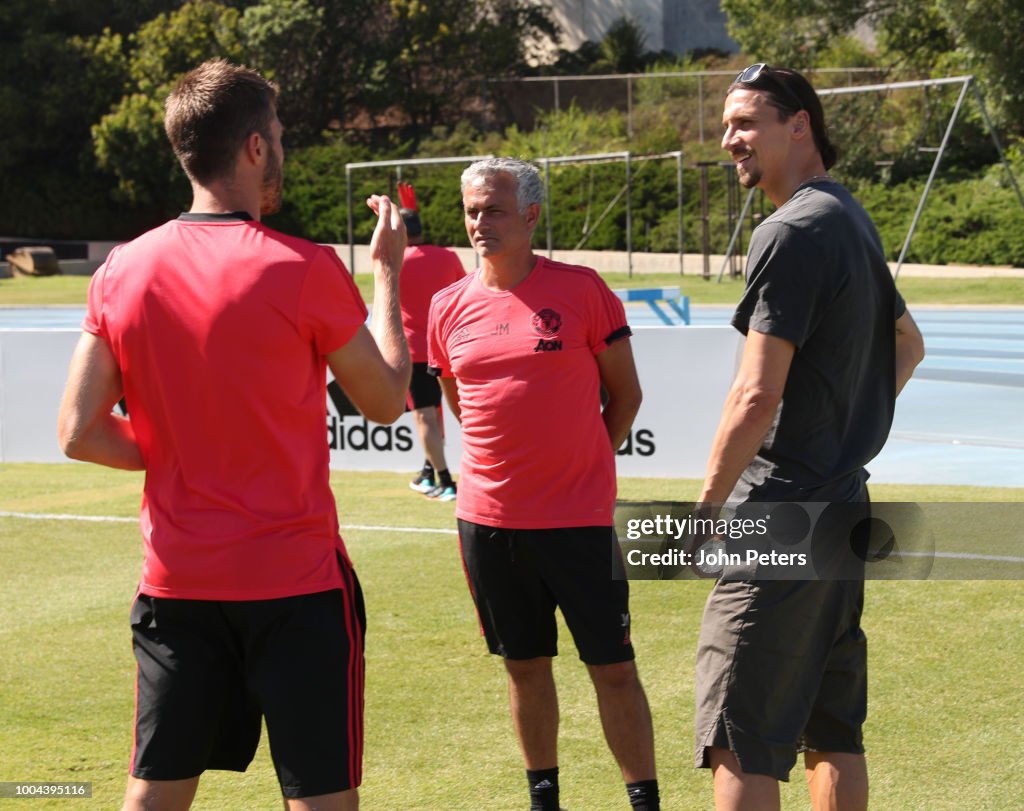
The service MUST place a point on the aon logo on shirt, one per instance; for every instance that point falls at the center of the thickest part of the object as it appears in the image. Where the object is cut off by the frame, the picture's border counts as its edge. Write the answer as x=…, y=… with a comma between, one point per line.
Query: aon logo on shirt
x=548, y=346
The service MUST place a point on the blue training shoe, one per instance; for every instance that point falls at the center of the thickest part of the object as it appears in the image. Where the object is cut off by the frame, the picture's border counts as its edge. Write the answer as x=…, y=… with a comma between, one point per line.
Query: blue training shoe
x=422, y=484
x=442, y=493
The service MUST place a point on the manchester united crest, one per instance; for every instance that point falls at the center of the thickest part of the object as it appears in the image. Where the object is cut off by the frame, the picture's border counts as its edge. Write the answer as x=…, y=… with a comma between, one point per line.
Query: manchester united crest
x=546, y=322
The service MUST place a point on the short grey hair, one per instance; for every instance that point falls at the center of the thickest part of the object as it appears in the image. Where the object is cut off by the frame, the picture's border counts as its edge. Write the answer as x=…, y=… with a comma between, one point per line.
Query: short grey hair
x=529, y=188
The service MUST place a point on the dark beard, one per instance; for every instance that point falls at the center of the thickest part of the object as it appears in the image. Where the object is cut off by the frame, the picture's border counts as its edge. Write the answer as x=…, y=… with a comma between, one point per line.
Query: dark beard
x=273, y=180
x=750, y=180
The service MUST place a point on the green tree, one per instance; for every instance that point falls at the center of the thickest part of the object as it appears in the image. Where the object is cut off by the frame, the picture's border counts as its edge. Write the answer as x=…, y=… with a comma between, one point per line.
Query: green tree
x=928, y=38
x=624, y=47
x=48, y=98
x=802, y=34
x=441, y=51
x=325, y=55
x=791, y=32
x=279, y=39
x=63, y=66
x=988, y=34
x=129, y=141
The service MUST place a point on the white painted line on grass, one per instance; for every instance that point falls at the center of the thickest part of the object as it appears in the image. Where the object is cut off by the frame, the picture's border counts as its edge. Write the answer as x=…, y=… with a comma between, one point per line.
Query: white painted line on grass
x=428, y=530
x=61, y=517
x=964, y=556
x=122, y=520
x=441, y=531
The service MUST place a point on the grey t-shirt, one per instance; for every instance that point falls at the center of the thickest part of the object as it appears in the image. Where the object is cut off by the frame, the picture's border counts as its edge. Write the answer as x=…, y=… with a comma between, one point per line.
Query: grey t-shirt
x=817, y=276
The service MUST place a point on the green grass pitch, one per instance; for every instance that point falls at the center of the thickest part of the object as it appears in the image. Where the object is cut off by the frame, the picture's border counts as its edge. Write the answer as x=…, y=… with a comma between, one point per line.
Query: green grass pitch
x=945, y=727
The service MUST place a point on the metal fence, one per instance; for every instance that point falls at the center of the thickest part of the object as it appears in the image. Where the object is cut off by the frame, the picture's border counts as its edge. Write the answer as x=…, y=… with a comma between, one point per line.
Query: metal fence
x=521, y=98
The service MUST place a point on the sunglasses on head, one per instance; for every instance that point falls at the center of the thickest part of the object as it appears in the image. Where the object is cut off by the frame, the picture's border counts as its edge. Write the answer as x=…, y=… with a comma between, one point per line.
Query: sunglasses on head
x=762, y=71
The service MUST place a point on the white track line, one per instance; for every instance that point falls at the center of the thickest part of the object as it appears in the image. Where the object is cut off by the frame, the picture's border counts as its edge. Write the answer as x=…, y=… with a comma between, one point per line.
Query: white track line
x=440, y=531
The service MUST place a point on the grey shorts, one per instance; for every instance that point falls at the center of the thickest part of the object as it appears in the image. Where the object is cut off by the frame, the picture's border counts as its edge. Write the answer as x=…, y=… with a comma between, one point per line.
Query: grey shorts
x=781, y=669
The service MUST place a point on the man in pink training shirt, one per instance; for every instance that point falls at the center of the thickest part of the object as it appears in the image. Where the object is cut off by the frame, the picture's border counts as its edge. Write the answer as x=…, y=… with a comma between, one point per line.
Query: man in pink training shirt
x=523, y=347
x=425, y=270
x=218, y=333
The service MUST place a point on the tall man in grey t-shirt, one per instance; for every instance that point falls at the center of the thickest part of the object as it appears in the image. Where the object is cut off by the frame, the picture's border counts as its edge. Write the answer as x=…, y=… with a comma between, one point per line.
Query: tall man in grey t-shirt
x=781, y=665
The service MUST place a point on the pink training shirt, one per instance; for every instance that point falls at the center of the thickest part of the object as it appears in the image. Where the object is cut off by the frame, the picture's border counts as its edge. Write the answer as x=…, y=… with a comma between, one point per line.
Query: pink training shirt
x=425, y=270
x=536, y=454
x=220, y=327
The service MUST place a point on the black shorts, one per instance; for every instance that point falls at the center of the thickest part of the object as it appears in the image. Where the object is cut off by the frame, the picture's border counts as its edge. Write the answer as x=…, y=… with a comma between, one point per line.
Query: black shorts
x=209, y=670
x=424, y=390
x=518, y=576
x=781, y=668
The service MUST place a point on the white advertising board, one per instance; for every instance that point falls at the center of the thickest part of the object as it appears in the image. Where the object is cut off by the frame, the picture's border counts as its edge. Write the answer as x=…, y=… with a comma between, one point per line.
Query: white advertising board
x=33, y=368
x=685, y=373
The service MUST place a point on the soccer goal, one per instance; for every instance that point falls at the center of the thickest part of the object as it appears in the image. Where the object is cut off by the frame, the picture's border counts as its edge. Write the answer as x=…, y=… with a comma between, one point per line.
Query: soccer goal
x=570, y=193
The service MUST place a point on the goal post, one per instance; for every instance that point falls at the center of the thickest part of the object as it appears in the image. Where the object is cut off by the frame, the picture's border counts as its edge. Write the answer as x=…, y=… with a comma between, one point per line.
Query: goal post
x=544, y=165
